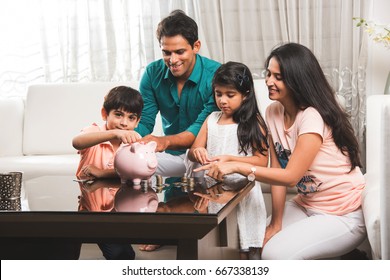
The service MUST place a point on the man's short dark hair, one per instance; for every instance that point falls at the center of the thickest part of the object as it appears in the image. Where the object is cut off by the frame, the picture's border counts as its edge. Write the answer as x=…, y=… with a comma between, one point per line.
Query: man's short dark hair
x=178, y=23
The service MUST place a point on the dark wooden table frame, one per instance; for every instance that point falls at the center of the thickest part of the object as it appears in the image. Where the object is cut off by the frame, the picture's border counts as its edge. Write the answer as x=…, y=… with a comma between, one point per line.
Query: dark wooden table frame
x=181, y=229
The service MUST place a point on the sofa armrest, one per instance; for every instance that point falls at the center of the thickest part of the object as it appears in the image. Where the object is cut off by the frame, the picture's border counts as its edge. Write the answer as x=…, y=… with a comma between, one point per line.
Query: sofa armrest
x=11, y=125
x=371, y=213
x=376, y=197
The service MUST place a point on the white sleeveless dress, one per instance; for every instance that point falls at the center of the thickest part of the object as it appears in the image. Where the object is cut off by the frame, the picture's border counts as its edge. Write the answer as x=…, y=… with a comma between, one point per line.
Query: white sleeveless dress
x=251, y=212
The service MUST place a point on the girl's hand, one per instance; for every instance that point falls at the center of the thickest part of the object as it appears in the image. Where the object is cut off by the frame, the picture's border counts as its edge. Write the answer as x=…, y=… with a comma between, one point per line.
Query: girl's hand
x=127, y=136
x=217, y=194
x=218, y=170
x=201, y=155
x=201, y=204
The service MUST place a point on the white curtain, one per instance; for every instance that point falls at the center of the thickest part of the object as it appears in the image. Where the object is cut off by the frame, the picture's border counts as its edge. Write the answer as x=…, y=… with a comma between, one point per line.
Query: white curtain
x=246, y=31
x=113, y=40
x=70, y=40
x=49, y=41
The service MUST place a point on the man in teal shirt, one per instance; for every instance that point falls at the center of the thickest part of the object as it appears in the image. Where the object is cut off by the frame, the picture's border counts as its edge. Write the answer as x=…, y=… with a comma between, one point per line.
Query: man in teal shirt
x=179, y=87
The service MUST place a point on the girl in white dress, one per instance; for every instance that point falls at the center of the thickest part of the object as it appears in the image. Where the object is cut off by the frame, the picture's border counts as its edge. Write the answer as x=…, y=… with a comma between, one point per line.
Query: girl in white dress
x=237, y=132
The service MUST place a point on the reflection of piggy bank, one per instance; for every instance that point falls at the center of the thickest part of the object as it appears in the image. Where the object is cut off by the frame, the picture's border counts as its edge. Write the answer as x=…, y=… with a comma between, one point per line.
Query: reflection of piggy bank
x=129, y=199
x=136, y=162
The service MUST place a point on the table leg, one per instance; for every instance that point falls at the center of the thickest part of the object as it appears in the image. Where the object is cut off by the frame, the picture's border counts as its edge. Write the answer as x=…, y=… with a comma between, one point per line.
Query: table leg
x=187, y=249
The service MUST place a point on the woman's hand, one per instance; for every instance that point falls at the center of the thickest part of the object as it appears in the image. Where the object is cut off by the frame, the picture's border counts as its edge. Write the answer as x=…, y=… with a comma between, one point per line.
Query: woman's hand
x=270, y=231
x=217, y=194
x=222, y=158
x=218, y=170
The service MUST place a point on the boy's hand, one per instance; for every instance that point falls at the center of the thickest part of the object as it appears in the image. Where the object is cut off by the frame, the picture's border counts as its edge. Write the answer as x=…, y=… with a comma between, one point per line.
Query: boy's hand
x=127, y=136
x=92, y=171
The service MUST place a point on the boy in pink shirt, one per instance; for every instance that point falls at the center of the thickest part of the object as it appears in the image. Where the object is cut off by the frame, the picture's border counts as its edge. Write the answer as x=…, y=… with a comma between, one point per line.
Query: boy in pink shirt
x=97, y=146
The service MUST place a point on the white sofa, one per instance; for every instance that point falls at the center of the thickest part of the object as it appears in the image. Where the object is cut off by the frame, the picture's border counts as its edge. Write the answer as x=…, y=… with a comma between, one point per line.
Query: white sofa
x=376, y=197
x=37, y=131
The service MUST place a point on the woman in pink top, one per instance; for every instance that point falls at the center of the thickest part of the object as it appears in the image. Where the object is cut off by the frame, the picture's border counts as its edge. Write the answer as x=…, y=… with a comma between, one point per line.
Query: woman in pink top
x=313, y=148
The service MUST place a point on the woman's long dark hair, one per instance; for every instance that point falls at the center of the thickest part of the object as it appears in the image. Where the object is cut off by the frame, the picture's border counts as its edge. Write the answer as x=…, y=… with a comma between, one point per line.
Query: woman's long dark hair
x=303, y=76
x=251, y=131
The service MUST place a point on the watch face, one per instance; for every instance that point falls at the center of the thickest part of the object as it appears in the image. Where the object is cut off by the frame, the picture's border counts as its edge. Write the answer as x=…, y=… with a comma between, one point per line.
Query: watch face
x=251, y=177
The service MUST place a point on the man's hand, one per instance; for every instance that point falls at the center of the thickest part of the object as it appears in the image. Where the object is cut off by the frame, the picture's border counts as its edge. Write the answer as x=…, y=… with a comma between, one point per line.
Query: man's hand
x=181, y=141
x=162, y=142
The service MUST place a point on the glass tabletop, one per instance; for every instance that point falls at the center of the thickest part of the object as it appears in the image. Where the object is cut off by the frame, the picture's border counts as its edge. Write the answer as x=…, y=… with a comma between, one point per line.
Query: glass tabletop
x=71, y=194
x=59, y=209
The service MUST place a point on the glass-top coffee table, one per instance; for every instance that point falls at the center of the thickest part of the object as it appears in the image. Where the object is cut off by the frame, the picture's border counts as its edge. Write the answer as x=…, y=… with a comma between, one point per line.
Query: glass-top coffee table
x=57, y=210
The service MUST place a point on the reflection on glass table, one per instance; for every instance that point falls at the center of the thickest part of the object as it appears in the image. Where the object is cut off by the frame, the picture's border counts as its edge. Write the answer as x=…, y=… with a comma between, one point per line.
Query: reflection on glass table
x=110, y=195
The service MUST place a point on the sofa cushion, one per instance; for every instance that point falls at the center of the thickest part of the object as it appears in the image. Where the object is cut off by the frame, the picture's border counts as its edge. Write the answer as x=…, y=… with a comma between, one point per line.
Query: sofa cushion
x=11, y=124
x=55, y=113
x=376, y=195
x=41, y=165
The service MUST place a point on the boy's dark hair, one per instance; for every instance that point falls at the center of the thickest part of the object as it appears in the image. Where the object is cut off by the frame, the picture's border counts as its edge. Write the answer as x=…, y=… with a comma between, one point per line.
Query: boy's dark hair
x=124, y=98
x=252, y=131
x=178, y=23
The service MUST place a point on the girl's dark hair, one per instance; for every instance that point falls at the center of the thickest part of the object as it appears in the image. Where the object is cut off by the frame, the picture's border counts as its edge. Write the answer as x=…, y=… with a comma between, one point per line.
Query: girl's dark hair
x=252, y=131
x=303, y=76
x=125, y=98
x=178, y=23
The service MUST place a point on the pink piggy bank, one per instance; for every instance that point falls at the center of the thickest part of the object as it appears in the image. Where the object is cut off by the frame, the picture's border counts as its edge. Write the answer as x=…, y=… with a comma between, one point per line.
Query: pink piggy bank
x=136, y=162
x=129, y=199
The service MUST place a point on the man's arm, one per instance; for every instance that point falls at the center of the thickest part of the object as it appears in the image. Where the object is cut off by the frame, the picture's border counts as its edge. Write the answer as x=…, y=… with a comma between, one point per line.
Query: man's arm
x=208, y=107
x=150, y=110
x=185, y=139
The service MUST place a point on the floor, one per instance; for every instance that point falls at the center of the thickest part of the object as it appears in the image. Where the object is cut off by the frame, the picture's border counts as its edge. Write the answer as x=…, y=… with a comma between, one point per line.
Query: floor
x=92, y=252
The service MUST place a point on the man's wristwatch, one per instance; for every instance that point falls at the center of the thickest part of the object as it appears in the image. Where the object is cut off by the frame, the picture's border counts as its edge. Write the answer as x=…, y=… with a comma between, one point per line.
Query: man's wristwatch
x=251, y=177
